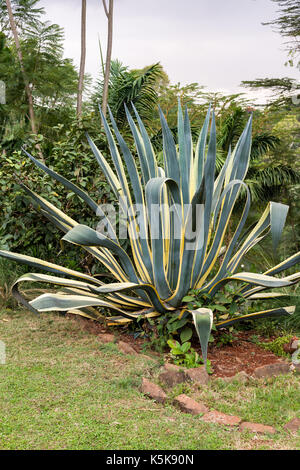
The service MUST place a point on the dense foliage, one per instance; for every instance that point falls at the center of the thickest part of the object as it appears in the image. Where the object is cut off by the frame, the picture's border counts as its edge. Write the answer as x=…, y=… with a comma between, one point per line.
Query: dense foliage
x=174, y=246
x=273, y=172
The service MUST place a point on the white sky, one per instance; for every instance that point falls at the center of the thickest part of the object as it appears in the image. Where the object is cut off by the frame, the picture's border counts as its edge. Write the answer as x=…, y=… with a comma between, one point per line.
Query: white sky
x=216, y=43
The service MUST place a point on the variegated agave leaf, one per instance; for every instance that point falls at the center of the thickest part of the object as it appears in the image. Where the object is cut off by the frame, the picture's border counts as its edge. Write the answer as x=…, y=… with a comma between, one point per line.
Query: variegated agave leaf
x=203, y=320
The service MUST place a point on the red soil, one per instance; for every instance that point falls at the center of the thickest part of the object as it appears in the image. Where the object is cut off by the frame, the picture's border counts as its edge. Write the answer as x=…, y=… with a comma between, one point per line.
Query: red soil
x=228, y=360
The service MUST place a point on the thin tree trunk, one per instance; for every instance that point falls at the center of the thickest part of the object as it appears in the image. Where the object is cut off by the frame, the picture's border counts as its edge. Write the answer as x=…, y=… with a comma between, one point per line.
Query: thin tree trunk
x=26, y=82
x=109, y=14
x=82, y=60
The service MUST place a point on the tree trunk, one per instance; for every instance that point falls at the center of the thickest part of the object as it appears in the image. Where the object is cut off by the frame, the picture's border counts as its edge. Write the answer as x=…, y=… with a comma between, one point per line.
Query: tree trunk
x=26, y=82
x=109, y=14
x=82, y=60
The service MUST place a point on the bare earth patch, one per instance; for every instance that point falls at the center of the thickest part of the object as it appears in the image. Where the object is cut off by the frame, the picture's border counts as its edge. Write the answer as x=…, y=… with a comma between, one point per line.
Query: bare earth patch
x=227, y=361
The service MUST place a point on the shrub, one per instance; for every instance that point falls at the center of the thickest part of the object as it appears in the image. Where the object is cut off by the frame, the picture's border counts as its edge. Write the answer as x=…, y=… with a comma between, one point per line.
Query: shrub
x=162, y=266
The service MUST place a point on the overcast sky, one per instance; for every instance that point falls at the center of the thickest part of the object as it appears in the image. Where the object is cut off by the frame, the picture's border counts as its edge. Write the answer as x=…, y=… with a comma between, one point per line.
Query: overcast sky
x=216, y=43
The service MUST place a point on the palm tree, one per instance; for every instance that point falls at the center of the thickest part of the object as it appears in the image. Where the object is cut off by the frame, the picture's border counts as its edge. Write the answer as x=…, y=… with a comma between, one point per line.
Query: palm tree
x=264, y=180
x=130, y=86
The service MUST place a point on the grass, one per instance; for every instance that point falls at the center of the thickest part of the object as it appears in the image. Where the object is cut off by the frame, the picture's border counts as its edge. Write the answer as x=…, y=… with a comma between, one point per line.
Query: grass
x=61, y=389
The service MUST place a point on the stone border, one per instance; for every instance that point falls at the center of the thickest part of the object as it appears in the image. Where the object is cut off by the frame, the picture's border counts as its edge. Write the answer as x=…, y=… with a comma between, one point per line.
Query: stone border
x=188, y=405
x=172, y=375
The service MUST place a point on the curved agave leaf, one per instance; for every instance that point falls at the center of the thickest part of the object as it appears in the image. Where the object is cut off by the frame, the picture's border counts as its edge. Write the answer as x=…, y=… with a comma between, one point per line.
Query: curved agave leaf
x=219, y=183
x=263, y=226
x=139, y=198
x=51, y=267
x=292, y=279
x=268, y=295
x=154, y=189
x=85, y=236
x=109, y=174
x=146, y=142
x=86, y=313
x=170, y=153
x=197, y=167
x=82, y=194
x=44, y=278
x=156, y=301
x=140, y=147
x=119, y=320
x=62, y=302
x=278, y=214
x=253, y=278
x=217, y=243
x=65, y=223
x=254, y=316
x=286, y=264
x=185, y=153
x=203, y=320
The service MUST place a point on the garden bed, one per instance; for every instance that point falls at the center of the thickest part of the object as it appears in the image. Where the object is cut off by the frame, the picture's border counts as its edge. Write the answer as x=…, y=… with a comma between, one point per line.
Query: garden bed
x=242, y=355
x=227, y=360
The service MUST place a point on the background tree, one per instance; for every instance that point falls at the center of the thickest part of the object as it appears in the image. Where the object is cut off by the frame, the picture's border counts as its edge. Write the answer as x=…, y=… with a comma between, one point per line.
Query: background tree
x=14, y=31
x=288, y=25
x=53, y=84
x=82, y=58
x=26, y=13
x=109, y=14
x=130, y=86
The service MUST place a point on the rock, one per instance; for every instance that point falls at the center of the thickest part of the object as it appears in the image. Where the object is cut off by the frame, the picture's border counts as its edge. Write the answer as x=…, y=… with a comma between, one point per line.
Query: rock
x=221, y=418
x=197, y=375
x=153, y=391
x=257, y=428
x=125, y=348
x=106, y=338
x=271, y=370
x=168, y=366
x=295, y=345
x=293, y=425
x=291, y=346
x=188, y=405
x=295, y=368
x=172, y=375
x=241, y=377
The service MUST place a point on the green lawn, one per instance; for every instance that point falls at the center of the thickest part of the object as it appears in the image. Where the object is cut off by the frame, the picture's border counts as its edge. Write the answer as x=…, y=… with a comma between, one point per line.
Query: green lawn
x=60, y=389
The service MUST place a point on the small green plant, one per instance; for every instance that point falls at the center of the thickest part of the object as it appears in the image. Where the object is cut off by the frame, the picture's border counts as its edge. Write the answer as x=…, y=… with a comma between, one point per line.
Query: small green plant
x=254, y=339
x=186, y=356
x=225, y=305
x=226, y=338
x=276, y=346
x=161, y=329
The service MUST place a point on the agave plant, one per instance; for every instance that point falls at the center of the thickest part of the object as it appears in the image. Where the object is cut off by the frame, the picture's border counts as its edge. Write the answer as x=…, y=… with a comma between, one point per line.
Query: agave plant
x=163, y=267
